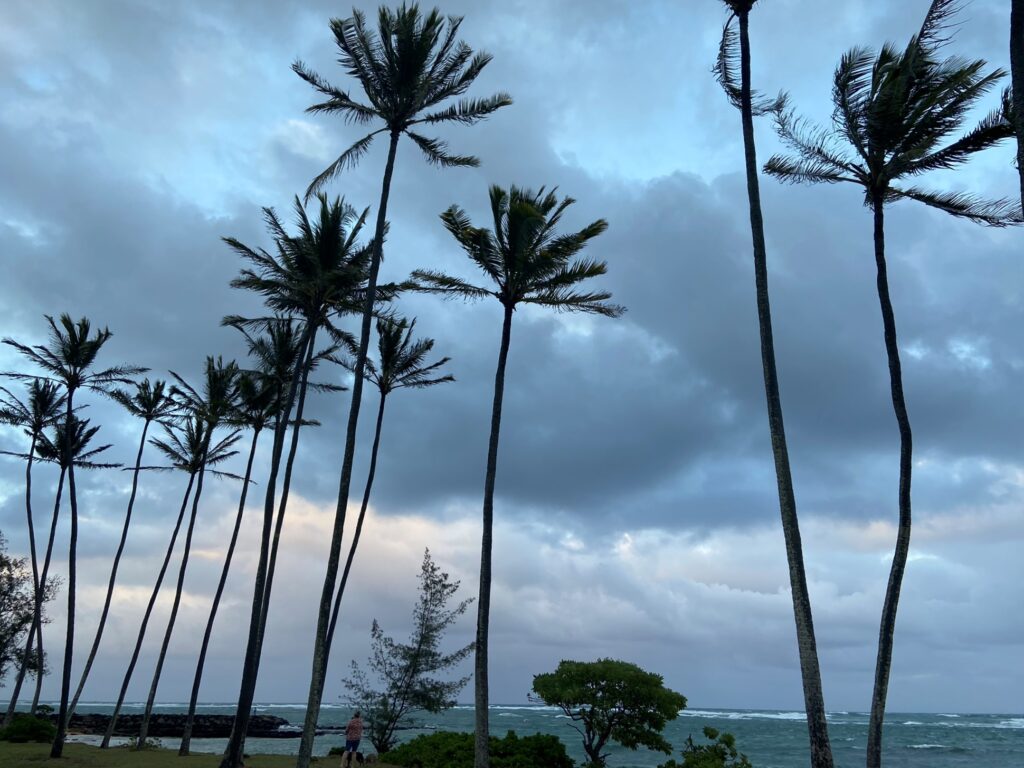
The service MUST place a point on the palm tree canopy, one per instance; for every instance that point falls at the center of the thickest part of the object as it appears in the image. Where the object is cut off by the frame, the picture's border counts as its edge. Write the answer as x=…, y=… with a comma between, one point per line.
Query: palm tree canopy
x=70, y=443
x=219, y=392
x=728, y=62
x=44, y=406
x=319, y=272
x=407, y=68
x=402, y=358
x=523, y=255
x=70, y=355
x=184, y=447
x=894, y=112
x=257, y=402
x=149, y=401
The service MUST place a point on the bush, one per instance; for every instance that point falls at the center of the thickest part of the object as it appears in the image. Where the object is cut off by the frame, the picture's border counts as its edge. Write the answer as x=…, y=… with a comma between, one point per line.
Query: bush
x=720, y=753
x=455, y=750
x=26, y=728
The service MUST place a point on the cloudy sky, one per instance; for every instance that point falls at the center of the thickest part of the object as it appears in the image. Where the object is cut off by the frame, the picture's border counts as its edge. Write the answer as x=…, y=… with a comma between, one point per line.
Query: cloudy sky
x=636, y=514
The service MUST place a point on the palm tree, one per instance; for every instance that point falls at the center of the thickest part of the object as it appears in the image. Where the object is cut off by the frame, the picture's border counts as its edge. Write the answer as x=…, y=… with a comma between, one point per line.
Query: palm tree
x=743, y=98
x=256, y=409
x=68, y=360
x=1017, y=76
x=184, y=448
x=407, y=69
x=314, y=276
x=151, y=402
x=402, y=366
x=214, y=404
x=896, y=109
x=43, y=409
x=530, y=264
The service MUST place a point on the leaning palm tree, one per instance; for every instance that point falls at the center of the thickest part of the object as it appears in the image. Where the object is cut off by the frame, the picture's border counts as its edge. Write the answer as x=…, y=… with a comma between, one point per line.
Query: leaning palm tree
x=530, y=264
x=255, y=410
x=185, y=449
x=408, y=68
x=402, y=365
x=42, y=410
x=68, y=360
x=212, y=406
x=735, y=50
x=896, y=109
x=150, y=401
x=1017, y=75
x=314, y=276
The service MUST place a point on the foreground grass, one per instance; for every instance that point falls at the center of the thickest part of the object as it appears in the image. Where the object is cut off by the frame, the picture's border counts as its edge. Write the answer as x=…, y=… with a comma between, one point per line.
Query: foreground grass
x=86, y=756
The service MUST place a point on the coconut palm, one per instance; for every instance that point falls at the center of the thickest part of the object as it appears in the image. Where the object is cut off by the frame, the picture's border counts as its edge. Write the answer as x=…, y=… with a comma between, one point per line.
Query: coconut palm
x=213, y=405
x=735, y=50
x=1017, y=75
x=151, y=402
x=184, y=447
x=68, y=360
x=529, y=264
x=402, y=365
x=408, y=68
x=896, y=110
x=314, y=276
x=44, y=406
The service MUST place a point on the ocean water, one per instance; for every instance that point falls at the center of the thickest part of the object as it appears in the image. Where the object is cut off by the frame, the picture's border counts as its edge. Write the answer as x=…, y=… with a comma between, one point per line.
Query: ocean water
x=771, y=739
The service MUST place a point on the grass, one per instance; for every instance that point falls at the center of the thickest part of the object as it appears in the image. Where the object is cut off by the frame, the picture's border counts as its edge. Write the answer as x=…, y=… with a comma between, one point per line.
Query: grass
x=86, y=756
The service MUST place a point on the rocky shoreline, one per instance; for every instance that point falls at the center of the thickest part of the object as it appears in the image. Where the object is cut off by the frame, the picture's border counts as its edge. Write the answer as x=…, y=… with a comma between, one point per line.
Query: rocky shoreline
x=203, y=727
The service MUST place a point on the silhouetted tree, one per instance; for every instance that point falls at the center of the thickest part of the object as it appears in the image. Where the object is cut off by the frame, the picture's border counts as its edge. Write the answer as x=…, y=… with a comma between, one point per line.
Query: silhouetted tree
x=529, y=263
x=895, y=109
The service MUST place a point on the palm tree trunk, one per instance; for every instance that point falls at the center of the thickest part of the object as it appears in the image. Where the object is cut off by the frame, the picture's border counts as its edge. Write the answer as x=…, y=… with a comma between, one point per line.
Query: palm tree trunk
x=359, y=522
x=40, y=657
x=321, y=650
x=1017, y=75
x=69, y=640
x=814, y=701
x=899, y=560
x=250, y=667
x=186, y=739
x=482, y=751
x=113, y=573
x=179, y=587
x=145, y=617
x=286, y=485
x=9, y=715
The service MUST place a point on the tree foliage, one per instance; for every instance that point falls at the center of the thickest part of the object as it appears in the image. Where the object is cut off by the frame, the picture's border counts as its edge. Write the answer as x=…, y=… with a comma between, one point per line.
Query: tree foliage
x=404, y=677
x=613, y=701
x=17, y=608
x=720, y=753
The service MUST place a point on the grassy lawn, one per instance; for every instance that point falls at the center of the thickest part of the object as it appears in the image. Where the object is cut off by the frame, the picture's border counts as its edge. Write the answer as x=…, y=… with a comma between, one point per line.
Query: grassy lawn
x=85, y=756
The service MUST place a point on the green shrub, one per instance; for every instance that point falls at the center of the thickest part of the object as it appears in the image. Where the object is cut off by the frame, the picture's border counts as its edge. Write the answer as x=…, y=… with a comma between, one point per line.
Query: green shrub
x=455, y=750
x=720, y=753
x=26, y=728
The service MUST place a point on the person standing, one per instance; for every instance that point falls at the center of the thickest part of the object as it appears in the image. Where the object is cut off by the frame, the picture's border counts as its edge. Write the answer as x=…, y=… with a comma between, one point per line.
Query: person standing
x=353, y=735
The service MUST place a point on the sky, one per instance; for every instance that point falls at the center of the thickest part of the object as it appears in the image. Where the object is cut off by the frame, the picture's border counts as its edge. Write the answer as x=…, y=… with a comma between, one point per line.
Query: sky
x=636, y=513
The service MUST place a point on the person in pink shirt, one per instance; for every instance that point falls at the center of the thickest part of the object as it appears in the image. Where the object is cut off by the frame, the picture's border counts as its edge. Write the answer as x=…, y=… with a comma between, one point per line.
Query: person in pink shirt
x=353, y=734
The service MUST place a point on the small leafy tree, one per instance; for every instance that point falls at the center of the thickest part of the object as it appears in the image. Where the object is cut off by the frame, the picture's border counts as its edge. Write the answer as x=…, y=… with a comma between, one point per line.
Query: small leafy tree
x=406, y=673
x=614, y=701
x=17, y=610
x=720, y=753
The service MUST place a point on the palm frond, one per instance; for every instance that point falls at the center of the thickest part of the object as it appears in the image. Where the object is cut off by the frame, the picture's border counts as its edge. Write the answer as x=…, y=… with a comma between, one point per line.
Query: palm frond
x=728, y=62
x=431, y=281
x=436, y=152
x=994, y=213
x=348, y=159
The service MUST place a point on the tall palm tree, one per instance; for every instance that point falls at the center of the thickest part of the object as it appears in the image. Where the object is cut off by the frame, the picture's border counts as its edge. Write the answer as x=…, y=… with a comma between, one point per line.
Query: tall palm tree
x=896, y=109
x=314, y=276
x=408, y=68
x=735, y=49
x=151, y=402
x=256, y=409
x=530, y=264
x=42, y=410
x=402, y=365
x=1017, y=76
x=68, y=360
x=212, y=406
x=185, y=449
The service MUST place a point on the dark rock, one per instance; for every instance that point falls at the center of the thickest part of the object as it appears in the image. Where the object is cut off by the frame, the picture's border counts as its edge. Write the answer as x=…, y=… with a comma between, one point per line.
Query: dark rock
x=203, y=727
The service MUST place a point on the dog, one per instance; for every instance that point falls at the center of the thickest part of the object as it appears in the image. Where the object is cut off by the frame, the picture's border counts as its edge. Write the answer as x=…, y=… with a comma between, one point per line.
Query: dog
x=349, y=757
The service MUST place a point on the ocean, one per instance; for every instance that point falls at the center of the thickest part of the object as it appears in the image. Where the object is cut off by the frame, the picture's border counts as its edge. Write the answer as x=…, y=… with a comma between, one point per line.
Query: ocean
x=771, y=739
